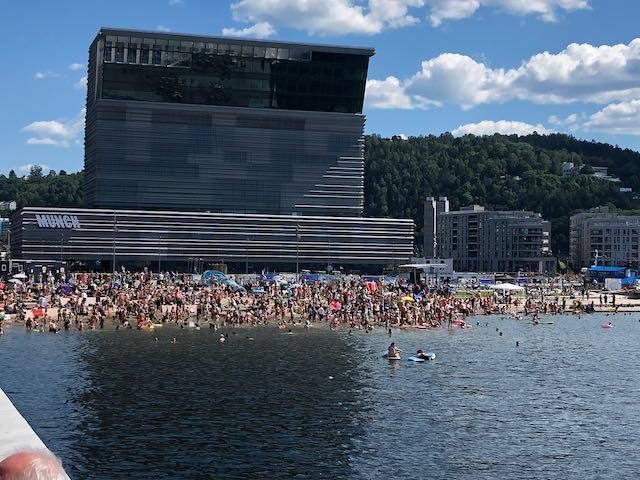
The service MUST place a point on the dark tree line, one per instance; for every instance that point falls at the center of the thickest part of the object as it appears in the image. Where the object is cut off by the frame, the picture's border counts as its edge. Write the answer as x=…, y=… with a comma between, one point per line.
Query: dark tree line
x=36, y=189
x=500, y=172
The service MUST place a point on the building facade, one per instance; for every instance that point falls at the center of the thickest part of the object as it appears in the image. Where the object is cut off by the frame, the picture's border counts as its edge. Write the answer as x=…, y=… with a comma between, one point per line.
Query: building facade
x=192, y=123
x=599, y=237
x=495, y=241
x=251, y=242
x=224, y=150
x=432, y=208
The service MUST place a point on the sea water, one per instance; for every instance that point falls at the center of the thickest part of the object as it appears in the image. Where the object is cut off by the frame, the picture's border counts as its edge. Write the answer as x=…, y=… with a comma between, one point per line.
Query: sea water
x=322, y=404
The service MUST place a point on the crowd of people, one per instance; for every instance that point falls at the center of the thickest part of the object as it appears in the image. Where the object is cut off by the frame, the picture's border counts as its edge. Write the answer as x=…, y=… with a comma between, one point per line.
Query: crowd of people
x=142, y=299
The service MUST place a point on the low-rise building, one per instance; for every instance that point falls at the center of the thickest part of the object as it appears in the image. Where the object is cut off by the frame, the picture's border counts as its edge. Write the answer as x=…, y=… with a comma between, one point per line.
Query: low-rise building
x=601, y=237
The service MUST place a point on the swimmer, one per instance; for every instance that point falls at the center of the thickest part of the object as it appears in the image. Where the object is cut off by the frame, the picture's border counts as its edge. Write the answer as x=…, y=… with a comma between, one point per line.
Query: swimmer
x=422, y=355
x=222, y=338
x=173, y=340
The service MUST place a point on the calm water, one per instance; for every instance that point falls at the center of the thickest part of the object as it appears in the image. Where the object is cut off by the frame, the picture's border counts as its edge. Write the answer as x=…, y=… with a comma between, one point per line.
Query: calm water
x=321, y=404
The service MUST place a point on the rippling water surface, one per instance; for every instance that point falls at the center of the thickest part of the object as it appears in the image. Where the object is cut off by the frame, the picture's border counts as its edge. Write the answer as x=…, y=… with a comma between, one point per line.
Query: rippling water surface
x=320, y=404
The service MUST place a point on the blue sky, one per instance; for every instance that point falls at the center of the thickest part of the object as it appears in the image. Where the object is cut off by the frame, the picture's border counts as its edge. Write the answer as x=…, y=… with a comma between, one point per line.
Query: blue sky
x=464, y=66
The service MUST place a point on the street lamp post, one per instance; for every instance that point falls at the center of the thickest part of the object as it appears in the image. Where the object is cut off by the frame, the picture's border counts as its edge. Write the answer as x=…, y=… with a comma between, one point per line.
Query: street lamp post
x=297, y=252
x=113, y=259
x=246, y=255
x=159, y=247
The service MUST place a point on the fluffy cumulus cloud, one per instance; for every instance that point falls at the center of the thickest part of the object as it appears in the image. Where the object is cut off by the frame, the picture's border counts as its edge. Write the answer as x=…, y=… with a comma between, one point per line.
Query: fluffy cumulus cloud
x=546, y=10
x=505, y=127
x=259, y=30
x=333, y=17
x=77, y=66
x=618, y=118
x=61, y=133
x=580, y=72
x=368, y=17
x=387, y=93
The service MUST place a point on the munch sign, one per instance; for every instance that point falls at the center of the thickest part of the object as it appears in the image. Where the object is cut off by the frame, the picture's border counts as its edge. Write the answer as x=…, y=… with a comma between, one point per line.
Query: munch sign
x=58, y=221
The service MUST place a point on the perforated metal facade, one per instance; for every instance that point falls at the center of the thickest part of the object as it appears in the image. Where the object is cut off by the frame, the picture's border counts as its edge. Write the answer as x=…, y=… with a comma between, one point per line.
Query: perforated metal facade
x=180, y=122
x=148, y=236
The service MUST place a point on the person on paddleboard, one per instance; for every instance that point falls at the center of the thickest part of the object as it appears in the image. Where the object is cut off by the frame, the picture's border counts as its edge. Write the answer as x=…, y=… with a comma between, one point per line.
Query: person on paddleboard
x=392, y=351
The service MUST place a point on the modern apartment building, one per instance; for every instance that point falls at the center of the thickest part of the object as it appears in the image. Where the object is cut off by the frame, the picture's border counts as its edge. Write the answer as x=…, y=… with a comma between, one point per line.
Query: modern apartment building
x=495, y=241
x=600, y=237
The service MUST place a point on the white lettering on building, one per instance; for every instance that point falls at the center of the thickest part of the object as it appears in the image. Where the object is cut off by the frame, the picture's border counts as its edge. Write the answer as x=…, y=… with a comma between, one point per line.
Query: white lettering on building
x=57, y=221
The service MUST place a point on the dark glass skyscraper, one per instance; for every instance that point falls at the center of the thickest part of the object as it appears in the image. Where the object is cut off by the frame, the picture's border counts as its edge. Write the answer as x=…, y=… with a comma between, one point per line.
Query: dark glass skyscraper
x=192, y=123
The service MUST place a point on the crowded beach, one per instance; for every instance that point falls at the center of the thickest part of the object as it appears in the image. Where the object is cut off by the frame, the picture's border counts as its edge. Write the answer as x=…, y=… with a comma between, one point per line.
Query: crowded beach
x=146, y=301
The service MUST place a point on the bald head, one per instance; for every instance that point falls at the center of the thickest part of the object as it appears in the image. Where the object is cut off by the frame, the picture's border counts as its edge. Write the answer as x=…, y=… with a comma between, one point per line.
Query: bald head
x=32, y=466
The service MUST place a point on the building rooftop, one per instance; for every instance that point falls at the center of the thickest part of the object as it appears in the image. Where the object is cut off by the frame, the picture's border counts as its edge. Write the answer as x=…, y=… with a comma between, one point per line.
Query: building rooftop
x=367, y=51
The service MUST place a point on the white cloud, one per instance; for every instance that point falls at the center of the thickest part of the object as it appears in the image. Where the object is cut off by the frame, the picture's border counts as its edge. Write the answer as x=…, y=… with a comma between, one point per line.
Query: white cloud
x=81, y=84
x=618, y=118
x=387, y=93
x=176, y=3
x=546, y=10
x=580, y=72
x=259, y=30
x=77, y=66
x=328, y=17
x=61, y=133
x=369, y=17
x=47, y=74
x=505, y=127
x=162, y=28
x=27, y=168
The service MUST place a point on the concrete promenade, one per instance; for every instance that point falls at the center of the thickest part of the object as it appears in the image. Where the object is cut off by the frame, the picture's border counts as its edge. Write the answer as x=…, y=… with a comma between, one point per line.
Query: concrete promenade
x=15, y=433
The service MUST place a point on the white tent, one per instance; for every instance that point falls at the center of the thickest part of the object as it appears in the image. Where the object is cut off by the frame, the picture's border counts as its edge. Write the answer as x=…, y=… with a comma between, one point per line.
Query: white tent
x=506, y=287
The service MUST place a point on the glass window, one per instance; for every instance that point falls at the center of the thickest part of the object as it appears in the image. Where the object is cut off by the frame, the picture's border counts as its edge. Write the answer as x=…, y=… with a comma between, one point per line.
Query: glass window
x=108, y=52
x=211, y=48
x=283, y=53
x=199, y=47
x=223, y=49
x=119, y=52
x=247, y=50
x=271, y=52
x=157, y=57
x=144, y=53
x=132, y=53
x=186, y=45
x=259, y=52
x=234, y=50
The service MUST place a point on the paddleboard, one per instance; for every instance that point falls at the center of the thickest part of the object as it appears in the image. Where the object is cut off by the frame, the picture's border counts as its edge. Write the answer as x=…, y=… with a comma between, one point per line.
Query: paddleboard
x=429, y=355
x=386, y=355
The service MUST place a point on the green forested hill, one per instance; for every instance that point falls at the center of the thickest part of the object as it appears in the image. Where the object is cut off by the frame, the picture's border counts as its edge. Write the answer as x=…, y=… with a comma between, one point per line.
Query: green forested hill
x=500, y=172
